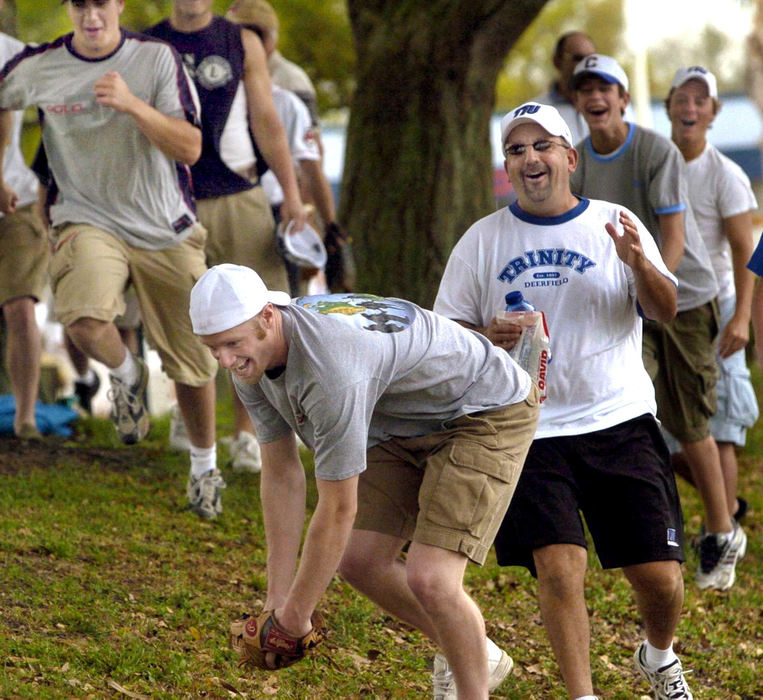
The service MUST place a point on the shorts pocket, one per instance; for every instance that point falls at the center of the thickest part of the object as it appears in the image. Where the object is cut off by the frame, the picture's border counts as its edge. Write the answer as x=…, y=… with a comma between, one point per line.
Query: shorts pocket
x=473, y=484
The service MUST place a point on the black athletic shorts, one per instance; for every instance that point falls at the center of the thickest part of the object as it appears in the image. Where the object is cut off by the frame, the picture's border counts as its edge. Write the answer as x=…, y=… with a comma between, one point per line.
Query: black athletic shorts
x=620, y=478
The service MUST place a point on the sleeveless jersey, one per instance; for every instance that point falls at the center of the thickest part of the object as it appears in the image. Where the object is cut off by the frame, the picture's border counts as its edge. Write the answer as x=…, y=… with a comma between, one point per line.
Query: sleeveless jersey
x=214, y=56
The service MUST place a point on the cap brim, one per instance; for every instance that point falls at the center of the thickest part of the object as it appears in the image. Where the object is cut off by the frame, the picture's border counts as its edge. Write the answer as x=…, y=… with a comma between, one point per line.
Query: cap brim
x=279, y=298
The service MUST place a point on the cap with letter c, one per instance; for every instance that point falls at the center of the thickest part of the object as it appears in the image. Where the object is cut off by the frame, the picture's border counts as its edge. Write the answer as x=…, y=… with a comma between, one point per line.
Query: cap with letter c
x=600, y=66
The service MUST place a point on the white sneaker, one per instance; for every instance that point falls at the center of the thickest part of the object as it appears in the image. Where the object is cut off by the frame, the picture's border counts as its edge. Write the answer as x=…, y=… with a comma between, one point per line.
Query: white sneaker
x=245, y=453
x=499, y=666
x=718, y=556
x=668, y=682
x=178, y=434
x=204, y=494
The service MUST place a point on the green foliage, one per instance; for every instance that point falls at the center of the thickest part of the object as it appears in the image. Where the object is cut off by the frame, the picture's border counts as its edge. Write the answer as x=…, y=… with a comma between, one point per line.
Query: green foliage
x=529, y=70
x=314, y=33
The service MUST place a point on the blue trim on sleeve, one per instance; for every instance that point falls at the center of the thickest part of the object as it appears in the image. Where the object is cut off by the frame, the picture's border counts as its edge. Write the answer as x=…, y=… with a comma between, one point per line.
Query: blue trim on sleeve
x=576, y=211
x=674, y=209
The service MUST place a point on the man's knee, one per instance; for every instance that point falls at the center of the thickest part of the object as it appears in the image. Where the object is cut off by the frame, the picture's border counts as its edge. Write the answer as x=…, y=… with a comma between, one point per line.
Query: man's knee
x=659, y=579
x=561, y=569
x=358, y=564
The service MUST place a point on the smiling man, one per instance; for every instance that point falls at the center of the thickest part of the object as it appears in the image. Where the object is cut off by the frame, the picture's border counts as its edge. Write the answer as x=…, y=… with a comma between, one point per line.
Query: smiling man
x=723, y=202
x=120, y=129
x=419, y=429
x=593, y=268
x=625, y=163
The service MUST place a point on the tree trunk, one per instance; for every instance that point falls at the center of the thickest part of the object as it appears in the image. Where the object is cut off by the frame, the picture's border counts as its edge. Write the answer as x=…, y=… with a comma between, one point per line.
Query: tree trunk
x=418, y=167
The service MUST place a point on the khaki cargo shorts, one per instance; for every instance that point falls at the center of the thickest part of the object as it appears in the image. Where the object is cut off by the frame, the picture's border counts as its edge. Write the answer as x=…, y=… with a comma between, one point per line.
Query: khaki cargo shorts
x=449, y=489
x=91, y=270
x=24, y=255
x=680, y=359
x=241, y=230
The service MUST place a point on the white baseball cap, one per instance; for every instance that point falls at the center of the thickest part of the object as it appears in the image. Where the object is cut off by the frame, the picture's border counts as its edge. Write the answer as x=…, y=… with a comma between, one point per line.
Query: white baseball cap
x=684, y=75
x=604, y=67
x=304, y=247
x=545, y=115
x=227, y=295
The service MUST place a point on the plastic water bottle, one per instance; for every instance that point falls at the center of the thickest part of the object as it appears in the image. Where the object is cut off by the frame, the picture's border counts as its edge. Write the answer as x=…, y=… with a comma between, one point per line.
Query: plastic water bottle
x=516, y=302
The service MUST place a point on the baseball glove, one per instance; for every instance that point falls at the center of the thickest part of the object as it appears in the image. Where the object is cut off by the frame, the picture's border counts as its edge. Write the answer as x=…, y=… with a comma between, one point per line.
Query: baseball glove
x=254, y=638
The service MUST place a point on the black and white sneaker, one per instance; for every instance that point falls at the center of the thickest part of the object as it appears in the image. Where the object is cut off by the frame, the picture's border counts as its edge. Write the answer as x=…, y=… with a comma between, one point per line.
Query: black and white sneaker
x=718, y=556
x=129, y=410
x=85, y=393
x=668, y=682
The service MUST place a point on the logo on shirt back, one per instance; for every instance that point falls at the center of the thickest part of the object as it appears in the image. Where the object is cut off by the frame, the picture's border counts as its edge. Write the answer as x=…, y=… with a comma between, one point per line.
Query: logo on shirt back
x=365, y=311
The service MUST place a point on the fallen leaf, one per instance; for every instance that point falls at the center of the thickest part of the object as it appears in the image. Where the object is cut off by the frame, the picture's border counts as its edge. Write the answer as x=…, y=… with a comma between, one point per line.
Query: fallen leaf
x=115, y=686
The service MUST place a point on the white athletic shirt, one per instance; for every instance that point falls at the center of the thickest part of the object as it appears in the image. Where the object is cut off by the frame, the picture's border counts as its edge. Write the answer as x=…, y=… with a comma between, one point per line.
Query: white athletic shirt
x=299, y=135
x=718, y=189
x=567, y=267
x=362, y=369
x=15, y=170
x=106, y=171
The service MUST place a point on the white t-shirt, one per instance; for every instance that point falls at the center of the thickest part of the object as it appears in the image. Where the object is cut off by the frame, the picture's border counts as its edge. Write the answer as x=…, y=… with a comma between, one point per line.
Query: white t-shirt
x=15, y=171
x=718, y=189
x=299, y=135
x=567, y=267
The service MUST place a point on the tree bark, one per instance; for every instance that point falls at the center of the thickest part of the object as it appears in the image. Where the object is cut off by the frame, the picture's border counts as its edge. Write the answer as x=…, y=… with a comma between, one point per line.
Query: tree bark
x=418, y=167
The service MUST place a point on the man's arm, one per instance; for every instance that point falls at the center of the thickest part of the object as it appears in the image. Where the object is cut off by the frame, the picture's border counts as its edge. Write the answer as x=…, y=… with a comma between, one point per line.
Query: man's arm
x=325, y=542
x=319, y=189
x=177, y=138
x=282, y=492
x=736, y=334
x=267, y=127
x=503, y=334
x=671, y=238
x=656, y=294
x=8, y=198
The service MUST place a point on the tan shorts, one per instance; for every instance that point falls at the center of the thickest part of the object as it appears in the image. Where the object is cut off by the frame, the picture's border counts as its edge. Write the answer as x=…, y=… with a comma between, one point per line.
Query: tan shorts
x=91, y=270
x=449, y=489
x=24, y=255
x=680, y=358
x=242, y=231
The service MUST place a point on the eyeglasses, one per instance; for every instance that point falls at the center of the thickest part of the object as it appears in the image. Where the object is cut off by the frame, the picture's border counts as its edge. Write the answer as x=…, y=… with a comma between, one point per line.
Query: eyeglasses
x=540, y=146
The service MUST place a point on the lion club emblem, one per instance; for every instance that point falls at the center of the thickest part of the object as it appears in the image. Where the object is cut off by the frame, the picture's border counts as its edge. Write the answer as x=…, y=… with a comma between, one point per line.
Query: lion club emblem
x=213, y=72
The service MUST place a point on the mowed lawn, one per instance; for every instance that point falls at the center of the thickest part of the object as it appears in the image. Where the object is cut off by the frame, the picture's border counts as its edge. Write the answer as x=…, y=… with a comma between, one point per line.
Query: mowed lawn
x=110, y=587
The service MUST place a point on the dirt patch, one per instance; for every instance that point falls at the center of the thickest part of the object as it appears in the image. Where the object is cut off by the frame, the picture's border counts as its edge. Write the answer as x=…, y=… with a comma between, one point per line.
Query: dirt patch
x=19, y=455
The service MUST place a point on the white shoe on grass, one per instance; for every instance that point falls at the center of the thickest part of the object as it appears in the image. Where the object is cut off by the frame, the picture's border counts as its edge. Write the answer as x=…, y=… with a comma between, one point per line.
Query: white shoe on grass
x=499, y=666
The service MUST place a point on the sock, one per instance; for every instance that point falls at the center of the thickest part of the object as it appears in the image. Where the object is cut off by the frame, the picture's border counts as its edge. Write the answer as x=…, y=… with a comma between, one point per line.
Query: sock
x=128, y=370
x=88, y=379
x=658, y=658
x=588, y=697
x=203, y=459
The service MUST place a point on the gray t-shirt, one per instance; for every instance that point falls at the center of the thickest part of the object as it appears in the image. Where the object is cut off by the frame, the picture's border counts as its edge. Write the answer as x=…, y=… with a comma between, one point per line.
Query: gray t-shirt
x=106, y=171
x=362, y=369
x=647, y=174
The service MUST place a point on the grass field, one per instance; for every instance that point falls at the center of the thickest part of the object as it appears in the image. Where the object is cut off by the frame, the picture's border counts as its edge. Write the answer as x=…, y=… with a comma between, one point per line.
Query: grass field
x=109, y=587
